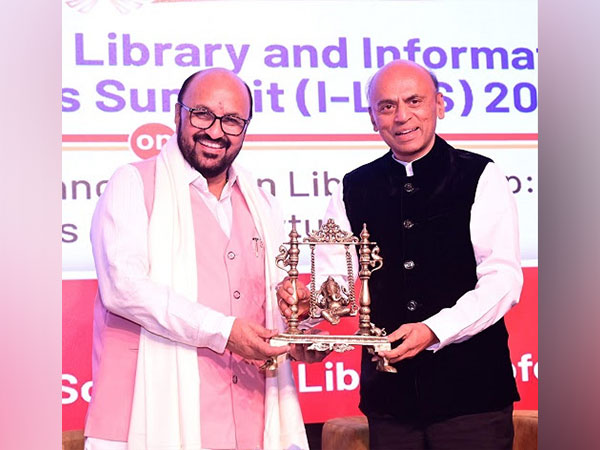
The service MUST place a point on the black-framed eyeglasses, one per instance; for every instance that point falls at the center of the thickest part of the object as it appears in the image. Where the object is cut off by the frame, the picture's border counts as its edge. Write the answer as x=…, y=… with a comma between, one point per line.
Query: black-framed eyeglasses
x=203, y=119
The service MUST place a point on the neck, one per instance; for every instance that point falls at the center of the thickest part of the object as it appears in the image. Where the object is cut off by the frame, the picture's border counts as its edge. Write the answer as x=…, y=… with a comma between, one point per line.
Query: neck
x=216, y=184
x=410, y=158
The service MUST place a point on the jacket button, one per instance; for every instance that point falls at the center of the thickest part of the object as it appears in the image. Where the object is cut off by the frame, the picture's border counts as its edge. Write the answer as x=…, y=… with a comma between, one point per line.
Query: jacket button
x=408, y=265
x=412, y=305
x=408, y=224
x=234, y=379
x=231, y=255
x=236, y=294
x=408, y=187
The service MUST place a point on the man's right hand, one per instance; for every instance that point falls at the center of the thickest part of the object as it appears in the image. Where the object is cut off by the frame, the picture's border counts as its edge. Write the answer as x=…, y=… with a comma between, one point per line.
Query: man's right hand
x=285, y=298
x=249, y=340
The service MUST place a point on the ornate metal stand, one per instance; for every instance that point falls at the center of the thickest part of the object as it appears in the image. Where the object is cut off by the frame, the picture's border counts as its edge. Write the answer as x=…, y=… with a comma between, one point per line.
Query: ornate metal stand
x=332, y=301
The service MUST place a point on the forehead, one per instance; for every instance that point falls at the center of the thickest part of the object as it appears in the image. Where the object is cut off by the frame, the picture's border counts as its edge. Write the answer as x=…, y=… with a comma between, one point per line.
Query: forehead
x=401, y=81
x=220, y=91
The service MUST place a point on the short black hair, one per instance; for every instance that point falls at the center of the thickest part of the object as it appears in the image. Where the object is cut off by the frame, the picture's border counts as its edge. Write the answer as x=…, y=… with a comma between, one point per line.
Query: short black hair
x=189, y=79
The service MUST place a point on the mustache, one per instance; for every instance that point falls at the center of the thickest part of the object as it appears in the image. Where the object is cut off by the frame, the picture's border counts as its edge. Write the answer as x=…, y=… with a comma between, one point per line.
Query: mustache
x=223, y=140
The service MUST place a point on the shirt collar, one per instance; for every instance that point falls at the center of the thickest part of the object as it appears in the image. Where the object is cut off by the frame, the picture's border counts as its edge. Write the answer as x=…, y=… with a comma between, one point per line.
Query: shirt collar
x=195, y=178
x=426, y=163
x=407, y=165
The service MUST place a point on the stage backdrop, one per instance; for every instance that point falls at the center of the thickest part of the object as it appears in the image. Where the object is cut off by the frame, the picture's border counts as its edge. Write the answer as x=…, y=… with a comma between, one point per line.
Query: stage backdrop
x=307, y=64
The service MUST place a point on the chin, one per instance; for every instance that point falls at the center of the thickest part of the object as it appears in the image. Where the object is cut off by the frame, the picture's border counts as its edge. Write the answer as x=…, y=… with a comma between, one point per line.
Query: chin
x=407, y=151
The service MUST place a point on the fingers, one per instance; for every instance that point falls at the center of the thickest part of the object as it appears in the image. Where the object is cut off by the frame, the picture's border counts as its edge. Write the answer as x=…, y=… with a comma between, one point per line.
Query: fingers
x=399, y=334
x=269, y=350
x=303, y=292
x=285, y=291
x=403, y=351
x=261, y=331
x=417, y=337
x=286, y=298
x=260, y=343
x=249, y=340
x=399, y=352
x=284, y=308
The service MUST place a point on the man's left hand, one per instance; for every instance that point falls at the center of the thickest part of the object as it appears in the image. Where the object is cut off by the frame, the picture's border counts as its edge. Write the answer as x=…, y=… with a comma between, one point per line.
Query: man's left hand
x=417, y=337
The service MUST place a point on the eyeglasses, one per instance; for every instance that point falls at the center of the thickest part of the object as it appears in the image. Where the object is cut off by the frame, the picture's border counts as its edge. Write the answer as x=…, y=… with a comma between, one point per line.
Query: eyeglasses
x=203, y=119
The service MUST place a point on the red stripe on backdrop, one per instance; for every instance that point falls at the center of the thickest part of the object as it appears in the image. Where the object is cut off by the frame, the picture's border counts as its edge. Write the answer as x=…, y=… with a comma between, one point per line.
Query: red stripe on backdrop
x=319, y=137
x=376, y=137
x=95, y=137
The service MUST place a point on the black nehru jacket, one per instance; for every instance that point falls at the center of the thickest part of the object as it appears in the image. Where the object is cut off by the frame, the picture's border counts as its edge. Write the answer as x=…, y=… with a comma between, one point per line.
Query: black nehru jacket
x=421, y=224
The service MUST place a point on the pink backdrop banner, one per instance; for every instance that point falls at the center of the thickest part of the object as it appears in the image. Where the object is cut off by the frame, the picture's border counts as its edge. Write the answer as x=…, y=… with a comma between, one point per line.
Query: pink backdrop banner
x=326, y=390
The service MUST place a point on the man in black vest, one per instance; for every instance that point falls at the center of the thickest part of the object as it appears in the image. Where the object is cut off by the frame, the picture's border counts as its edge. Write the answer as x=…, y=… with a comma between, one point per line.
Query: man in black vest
x=446, y=223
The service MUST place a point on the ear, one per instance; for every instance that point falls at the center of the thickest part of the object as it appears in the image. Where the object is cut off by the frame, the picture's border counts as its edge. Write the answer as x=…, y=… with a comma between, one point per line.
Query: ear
x=373, y=119
x=177, y=115
x=440, y=106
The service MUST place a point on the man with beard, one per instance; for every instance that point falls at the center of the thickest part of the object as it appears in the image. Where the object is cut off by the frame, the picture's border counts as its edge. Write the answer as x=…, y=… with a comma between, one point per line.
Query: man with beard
x=446, y=222
x=184, y=245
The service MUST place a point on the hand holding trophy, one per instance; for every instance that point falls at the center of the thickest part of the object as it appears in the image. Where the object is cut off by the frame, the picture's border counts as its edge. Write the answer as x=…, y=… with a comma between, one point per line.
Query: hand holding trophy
x=331, y=301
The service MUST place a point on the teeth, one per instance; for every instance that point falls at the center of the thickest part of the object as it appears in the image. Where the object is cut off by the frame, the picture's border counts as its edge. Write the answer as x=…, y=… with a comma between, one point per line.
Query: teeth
x=211, y=144
x=406, y=131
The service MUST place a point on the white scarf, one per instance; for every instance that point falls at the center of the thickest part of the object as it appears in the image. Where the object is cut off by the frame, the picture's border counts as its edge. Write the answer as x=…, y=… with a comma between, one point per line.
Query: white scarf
x=166, y=411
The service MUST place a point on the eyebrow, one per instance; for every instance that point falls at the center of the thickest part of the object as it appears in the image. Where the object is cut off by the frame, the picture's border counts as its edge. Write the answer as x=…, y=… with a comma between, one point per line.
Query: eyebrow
x=386, y=101
x=226, y=114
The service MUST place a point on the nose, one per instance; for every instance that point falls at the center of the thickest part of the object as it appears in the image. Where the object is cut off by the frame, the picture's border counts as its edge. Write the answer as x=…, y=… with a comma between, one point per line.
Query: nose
x=215, y=131
x=402, y=113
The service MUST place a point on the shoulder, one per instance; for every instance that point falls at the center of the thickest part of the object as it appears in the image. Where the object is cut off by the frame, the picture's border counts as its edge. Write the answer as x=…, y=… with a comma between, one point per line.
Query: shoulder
x=467, y=157
x=462, y=157
x=123, y=194
x=125, y=183
x=369, y=170
x=125, y=176
x=466, y=162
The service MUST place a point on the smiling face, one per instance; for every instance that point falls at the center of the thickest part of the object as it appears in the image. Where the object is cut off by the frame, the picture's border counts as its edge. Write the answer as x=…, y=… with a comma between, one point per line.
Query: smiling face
x=211, y=152
x=404, y=107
